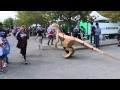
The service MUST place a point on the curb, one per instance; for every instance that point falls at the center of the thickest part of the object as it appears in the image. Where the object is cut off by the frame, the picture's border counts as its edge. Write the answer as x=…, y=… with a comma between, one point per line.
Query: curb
x=100, y=46
x=82, y=48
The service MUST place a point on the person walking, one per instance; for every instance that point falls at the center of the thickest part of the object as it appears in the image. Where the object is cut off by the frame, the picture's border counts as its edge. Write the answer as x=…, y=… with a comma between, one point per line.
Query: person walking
x=2, y=57
x=97, y=34
x=22, y=38
x=40, y=38
x=50, y=35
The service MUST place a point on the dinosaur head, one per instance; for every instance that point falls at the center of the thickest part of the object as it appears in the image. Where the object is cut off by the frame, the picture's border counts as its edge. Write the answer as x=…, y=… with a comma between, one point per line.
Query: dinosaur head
x=54, y=26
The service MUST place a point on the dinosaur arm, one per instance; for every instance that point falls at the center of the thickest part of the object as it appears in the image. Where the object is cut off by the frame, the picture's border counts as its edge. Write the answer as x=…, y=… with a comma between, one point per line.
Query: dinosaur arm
x=57, y=39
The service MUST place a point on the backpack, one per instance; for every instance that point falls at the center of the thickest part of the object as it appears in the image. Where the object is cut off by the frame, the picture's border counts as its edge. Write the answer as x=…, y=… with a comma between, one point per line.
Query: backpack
x=51, y=34
x=7, y=51
x=93, y=29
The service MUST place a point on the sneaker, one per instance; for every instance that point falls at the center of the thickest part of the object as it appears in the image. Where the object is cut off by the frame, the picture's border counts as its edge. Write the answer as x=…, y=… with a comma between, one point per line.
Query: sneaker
x=1, y=72
x=4, y=64
x=25, y=62
x=21, y=55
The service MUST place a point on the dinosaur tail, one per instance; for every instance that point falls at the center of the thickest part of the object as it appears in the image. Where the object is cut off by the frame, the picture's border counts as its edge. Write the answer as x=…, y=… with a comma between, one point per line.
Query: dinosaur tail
x=93, y=48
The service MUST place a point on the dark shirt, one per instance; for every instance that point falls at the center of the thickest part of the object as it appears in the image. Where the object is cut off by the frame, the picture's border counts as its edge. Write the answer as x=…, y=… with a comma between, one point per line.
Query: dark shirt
x=118, y=36
x=40, y=33
x=22, y=40
x=3, y=33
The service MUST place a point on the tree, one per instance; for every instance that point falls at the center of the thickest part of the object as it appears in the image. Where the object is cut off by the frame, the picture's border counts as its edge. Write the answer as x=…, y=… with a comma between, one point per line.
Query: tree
x=114, y=15
x=70, y=17
x=30, y=17
x=8, y=22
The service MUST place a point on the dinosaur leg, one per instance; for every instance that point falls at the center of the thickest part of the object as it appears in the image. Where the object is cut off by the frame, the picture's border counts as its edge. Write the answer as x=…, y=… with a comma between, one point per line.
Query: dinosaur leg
x=66, y=50
x=69, y=52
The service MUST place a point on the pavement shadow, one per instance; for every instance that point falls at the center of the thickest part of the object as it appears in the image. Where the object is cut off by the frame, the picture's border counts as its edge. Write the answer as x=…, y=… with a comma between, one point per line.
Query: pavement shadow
x=77, y=58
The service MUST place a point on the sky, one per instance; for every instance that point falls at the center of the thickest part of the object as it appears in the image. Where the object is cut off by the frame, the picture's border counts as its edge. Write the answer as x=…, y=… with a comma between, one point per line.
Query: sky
x=6, y=14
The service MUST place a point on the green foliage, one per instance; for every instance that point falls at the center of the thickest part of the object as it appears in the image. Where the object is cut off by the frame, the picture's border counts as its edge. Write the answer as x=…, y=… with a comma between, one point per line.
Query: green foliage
x=29, y=17
x=8, y=22
x=43, y=17
x=114, y=15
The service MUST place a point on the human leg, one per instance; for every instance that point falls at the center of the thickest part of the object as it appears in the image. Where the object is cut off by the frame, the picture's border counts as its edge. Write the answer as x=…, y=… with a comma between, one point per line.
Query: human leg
x=91, y=38
x=40, y=42
x=52, y=41
x=48, y=40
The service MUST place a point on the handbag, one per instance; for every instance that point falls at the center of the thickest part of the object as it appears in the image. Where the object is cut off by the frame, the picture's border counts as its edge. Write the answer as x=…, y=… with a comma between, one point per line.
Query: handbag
x=20, y=45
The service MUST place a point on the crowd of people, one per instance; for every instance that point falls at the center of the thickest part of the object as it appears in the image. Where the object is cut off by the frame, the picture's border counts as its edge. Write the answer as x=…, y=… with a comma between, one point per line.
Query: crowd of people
x=22, y=35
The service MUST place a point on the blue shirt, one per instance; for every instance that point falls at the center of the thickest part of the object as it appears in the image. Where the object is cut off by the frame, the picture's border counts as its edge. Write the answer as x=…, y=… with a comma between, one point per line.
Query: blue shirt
x=49, y=30
x=38, y=28
x=98, y=31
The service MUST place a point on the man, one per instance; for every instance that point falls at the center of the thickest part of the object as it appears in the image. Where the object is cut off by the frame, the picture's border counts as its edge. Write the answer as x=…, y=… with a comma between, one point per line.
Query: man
x=40, y=38
x=75, y=31
x=97, y=34
x=71, y=30
x=92, y=33
x=4, y=34
x=82, y=32
x=50, y=35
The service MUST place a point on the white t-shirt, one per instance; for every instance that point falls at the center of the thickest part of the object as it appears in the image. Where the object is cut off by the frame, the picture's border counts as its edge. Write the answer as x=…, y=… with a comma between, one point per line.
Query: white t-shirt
x=1, y=49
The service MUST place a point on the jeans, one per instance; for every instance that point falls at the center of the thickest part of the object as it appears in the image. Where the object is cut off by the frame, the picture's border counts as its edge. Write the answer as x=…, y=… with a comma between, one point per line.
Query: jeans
x=40, y=42
x=51, y=41
x=92, y=35
x=97, y=41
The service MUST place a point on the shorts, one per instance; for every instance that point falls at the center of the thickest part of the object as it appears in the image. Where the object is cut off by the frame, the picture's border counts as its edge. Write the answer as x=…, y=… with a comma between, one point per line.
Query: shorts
x=3, y=56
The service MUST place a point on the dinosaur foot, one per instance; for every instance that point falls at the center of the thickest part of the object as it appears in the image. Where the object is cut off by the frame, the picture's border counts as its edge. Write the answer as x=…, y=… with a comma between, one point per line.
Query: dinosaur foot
x=69, y=52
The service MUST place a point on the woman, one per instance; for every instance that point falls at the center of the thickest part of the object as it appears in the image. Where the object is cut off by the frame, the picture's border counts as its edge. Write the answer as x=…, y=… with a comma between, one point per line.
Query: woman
x=22, y=37
x=118, y=37
x=40, y=38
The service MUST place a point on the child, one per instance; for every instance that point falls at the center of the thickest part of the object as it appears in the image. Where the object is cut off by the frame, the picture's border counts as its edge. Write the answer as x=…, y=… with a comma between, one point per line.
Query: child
x=2, y=56
x=22, y=38
x=7, y=51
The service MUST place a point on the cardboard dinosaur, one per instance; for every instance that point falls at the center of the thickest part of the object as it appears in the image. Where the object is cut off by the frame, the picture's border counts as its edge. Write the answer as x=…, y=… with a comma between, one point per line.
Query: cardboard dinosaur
x=68, y=41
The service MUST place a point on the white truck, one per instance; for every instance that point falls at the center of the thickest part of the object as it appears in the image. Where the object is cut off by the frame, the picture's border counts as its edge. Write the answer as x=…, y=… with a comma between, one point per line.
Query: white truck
x=107, y=29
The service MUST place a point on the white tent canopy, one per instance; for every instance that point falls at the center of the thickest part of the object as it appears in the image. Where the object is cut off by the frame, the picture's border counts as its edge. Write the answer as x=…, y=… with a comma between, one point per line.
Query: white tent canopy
x=97, y=17
x=35, y=25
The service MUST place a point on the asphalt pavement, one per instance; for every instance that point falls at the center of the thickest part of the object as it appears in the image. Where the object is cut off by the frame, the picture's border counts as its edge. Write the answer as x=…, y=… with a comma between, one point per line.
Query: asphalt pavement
x=49, y=63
